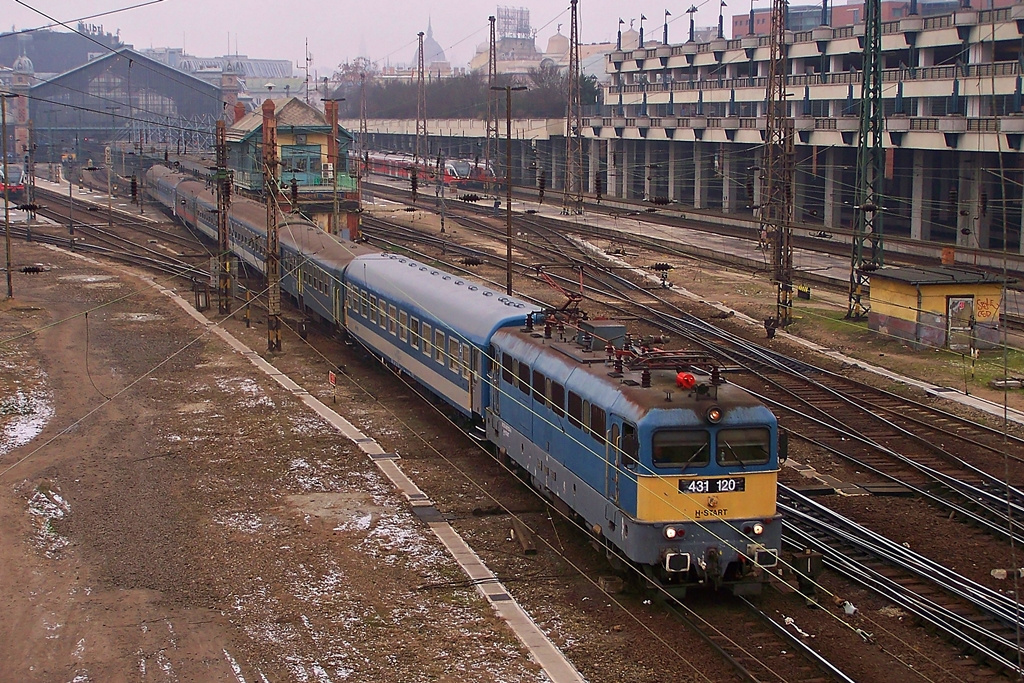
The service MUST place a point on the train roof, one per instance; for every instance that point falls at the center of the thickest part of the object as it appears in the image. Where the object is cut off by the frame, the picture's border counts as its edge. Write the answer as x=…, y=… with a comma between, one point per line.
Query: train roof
x=293, y=231
x=470, y=309
x=588, y=374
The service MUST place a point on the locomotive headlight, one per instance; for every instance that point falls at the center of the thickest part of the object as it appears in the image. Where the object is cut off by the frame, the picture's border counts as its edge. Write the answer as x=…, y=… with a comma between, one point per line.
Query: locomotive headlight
x=671, y=532
x=758, y=528
x=714, y=414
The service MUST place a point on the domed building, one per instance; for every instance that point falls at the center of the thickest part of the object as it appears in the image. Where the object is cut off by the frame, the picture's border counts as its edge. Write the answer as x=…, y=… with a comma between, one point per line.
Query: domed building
x=435, y=62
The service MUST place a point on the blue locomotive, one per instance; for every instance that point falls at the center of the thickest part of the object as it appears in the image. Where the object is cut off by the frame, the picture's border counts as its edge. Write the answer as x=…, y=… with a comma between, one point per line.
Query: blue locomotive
x=669, y=467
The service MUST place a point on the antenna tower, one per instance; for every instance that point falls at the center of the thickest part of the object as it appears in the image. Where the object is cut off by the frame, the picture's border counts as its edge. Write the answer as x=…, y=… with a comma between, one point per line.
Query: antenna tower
x=421, y=106
x=223, y=180
x=867, y=222
x=777, y=180
x=491, y=145
x=572, y=196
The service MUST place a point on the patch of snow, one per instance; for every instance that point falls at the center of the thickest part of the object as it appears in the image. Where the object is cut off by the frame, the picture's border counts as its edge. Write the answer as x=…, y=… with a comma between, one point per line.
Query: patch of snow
x=46, y=506
x=241, y=521
x=29, y=414
x=251, y=394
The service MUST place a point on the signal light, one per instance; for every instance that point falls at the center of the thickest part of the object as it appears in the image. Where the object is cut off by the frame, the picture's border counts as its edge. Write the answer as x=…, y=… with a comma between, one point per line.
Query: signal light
x=135, y=188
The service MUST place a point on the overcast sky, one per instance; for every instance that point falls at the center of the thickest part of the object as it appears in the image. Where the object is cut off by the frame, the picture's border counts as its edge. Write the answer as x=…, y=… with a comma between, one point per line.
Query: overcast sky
x=383, y=30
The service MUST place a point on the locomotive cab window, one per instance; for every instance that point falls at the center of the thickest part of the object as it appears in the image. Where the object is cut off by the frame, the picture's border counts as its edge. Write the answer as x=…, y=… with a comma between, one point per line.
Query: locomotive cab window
x=506, y=368
x=742, y=446
x=681, y=448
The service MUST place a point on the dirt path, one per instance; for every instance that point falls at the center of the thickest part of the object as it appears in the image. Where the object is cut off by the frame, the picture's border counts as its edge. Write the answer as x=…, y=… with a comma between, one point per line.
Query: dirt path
x=199, y=526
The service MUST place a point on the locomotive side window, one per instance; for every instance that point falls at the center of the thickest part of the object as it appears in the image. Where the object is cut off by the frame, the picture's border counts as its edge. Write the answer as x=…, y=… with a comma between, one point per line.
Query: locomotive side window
x=679, y=448
x=597, y=422
x=539, y=392
x=557, y=397
x=428, y=348
x=575, y=409
x=742, y=446
x=506, y=368
x=524, y=378
x=439, y=346
x=630, y=445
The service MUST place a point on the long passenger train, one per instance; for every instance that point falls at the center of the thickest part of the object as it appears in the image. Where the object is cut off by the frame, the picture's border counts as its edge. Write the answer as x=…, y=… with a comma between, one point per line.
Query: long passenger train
x=671, y=468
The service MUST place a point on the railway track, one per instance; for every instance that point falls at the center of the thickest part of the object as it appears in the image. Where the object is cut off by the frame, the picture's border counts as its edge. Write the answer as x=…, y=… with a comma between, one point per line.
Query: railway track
x=985, y=623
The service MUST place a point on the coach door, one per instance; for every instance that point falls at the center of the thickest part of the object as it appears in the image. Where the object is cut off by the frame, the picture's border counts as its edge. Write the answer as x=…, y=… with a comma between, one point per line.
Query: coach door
x=474, y=381
x=612, y=463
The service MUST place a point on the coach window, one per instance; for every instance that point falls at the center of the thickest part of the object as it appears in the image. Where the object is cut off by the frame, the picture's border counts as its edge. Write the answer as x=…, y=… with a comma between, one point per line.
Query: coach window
x=597, y=422
x=681, y=448
x=557, y=398
x=392, y=320
x=575, y=409
x=414, y=332
x=453, y=354
x=364, y=303
x=428, y=348
x=373, y=308
x=403, y=326
x=506, y=368
x=742, y=446
x=439, y=346
x=470, y=358
x=383, y=306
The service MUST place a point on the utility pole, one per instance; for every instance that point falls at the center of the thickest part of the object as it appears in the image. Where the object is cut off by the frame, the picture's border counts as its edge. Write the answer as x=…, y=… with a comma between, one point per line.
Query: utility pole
x=7, y=195
x=867, y=221
x=491, y=144
x=421, y=107
x=572, y=190
x=363, y=135
x=273, y=256
x=508, y=182
x=110, y=209
x=440, y=187
x=223, y=181
x=777, y=181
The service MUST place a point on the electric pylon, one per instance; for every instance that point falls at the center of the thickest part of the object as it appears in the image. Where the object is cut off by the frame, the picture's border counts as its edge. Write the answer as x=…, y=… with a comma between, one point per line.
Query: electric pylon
x=491, y=144
x=777, y=181
x=572, y=190
x=421, y=107
x=867, y=221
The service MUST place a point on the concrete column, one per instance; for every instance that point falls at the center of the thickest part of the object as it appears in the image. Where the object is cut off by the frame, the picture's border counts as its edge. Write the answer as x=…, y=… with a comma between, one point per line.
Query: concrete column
x=965, y=202
x=982, y=222
x=672, y=171
x=833, y=199
x=614, y=159
x=647, y=170
x=917, y=197
x=700, y=177
x=729, y=184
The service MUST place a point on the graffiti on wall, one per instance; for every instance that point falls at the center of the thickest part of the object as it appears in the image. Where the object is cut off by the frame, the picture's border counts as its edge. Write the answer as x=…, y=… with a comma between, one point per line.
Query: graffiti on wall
x=986, y=309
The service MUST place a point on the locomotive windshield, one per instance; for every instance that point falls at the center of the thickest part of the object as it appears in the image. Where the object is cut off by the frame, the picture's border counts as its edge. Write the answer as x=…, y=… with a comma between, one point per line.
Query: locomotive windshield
x=743, y=446
x=15, y=173
x=461, y=168
x=678, y=448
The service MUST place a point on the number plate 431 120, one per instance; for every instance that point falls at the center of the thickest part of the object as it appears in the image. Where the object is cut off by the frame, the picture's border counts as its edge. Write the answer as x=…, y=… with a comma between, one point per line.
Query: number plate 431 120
x=728, y=485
